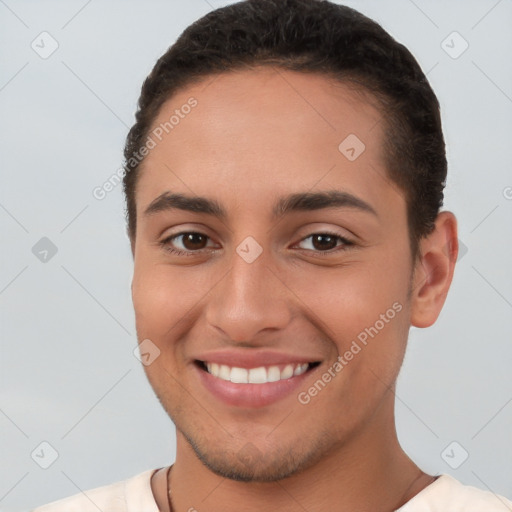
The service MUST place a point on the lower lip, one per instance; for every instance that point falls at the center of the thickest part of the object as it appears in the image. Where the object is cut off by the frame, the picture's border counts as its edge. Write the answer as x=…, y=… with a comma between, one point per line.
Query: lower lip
x=251, y=395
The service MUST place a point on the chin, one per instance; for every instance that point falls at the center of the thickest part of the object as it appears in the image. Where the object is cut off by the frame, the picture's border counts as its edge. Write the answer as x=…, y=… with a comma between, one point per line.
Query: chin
x=250, y=464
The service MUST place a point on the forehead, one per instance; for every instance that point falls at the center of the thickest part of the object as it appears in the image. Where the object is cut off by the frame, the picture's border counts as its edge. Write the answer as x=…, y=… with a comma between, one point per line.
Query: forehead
x=265, y=130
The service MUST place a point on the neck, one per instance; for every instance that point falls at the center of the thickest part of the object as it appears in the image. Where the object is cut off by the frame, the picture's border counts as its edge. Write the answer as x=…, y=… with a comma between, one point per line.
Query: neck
x=370, y=471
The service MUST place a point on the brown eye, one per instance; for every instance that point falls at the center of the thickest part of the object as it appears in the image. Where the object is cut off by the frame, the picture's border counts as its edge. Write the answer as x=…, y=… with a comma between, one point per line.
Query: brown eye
x=325, y=242
x=191, y=243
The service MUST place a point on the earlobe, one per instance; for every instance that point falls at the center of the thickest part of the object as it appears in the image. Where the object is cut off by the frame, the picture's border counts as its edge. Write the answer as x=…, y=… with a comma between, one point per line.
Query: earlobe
x=434, y=271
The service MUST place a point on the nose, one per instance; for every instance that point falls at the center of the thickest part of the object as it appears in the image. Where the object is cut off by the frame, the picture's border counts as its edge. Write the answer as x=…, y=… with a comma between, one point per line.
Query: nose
x=249, y=299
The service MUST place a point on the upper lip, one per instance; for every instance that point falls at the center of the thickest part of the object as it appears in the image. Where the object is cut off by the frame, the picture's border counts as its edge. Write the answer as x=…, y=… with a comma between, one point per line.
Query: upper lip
x=251, y=358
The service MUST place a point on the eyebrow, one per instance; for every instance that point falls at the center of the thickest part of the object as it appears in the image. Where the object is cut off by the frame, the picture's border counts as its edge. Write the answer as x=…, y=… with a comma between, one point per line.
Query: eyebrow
x=302, y=201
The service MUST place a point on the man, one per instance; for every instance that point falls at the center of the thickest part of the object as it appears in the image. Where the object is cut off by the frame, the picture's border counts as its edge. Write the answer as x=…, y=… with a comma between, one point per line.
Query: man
x=284, y=179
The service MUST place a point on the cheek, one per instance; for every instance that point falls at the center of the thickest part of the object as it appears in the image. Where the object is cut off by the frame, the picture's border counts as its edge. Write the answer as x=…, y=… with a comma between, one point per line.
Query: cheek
x=158, y=310
x=154, y=301
x=361, y=309
x=167, y=299
x=350, y=296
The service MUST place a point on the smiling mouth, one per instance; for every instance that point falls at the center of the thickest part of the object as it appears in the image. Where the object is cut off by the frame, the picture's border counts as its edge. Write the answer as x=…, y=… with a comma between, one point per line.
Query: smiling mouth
x=259, y=375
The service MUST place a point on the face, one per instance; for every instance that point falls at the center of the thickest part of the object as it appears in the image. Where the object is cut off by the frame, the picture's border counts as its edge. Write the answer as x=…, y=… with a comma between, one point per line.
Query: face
x=264, y=276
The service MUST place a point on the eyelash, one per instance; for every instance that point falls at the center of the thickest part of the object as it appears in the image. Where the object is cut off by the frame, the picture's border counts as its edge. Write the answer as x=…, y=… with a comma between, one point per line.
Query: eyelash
x=178, y=252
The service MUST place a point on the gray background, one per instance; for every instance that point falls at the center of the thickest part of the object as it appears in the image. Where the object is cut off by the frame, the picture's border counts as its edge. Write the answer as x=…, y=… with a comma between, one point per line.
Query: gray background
x=68, y=374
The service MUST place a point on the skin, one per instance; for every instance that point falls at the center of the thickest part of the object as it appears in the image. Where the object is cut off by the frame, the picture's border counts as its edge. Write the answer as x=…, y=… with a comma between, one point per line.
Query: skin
x=254, y=136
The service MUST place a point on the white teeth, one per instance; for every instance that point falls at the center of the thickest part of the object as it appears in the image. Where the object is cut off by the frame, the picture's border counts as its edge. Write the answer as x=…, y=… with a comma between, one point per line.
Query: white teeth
x=300, y=369
x=224, y=372
x=273, y=374
x=239, y=375
x=287, y=371
x=258, y=375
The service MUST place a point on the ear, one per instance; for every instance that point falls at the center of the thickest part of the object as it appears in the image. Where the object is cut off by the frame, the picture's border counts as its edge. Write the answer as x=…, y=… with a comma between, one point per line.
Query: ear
x=433, y=271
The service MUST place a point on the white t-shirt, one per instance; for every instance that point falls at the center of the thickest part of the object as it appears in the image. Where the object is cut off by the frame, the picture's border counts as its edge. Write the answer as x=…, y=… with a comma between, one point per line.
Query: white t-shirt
x=446, y=494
